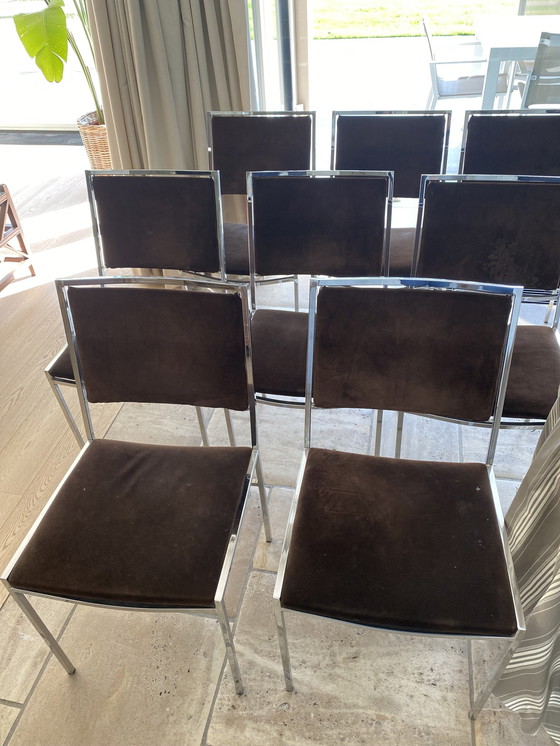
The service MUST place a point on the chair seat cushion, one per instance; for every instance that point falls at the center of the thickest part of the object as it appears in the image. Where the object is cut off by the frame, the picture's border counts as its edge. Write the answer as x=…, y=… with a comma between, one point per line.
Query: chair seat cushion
x=534, y=376
x=61, y=367
x=402, y=251
x=236, y=247
x=405, y=545
x=279, y=352
x=138, y=525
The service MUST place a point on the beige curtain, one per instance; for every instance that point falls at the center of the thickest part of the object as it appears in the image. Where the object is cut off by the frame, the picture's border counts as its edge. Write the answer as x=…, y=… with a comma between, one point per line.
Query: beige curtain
x=162, y=65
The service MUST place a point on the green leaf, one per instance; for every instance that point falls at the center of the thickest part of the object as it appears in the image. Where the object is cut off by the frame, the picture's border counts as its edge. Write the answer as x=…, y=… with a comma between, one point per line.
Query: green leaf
x=45, y=38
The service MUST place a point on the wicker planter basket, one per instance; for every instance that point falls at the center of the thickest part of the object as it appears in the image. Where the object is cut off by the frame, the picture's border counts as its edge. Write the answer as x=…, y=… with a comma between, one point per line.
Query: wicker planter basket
x=94, y=137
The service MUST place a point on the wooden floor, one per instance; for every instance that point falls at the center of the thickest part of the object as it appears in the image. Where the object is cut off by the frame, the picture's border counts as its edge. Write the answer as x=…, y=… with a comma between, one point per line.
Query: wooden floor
x=36, y=446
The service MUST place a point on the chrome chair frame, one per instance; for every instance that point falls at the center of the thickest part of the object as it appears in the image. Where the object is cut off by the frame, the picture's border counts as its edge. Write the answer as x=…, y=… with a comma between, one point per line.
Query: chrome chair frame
x=515, y=292
x=496, y=114
x=264, y=114
x=219, y=610
x=402, y=114
x=287, y=401
x=57, y=381
x=334, y=173
x=529, y=295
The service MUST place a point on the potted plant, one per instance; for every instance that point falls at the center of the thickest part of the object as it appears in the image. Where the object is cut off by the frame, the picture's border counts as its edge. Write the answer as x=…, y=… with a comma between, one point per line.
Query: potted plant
x=45, y=35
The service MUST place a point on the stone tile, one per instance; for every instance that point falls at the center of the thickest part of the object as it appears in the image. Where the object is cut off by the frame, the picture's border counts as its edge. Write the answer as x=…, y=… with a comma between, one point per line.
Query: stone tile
x=353, y=685
x=507, y=489
x=141, y=678
x=514, y=451
x=7, y=717
x=266, y=555
x=280, y=436
x=426, y=438
x=22, y=650
x=167, y=424
x=503, y=727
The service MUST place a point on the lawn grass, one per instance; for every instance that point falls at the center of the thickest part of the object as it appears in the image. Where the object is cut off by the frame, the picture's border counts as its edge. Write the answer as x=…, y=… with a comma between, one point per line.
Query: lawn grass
x=353, y=19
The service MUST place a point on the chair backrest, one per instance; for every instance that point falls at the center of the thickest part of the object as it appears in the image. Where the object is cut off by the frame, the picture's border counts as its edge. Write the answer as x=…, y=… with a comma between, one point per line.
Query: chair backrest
x=543, y=83
x=319, y=222
x=239, y=142
x=423, y=346
x=511, y=142
x=157, y=219
x=409, y=143
x=145, y=339
x=490, y=229
x=539, y=7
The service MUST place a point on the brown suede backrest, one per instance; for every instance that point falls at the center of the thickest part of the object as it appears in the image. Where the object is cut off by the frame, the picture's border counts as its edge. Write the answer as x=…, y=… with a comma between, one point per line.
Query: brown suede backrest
x=319, y=225
x=408, y=145
x=167, y=222
x=259, y=143
x=504, y=232
x=424, y=351
x=156, y=345
x=509, y=144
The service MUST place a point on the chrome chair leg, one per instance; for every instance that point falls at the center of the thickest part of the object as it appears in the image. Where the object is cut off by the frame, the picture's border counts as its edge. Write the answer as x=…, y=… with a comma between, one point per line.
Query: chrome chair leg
x=283, y=643
x=485, y=693
x=264, y=506
x=398, y=440
x=371, y=436
x=66, y=411
x=45, y=633
x=229, y=425
x=230, y=648
x=202, y=427
x=379, y=432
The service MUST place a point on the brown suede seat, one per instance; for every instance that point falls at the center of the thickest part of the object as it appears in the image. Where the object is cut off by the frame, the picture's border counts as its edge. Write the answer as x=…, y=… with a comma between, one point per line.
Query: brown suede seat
x=534, y=375
x=236, y=247
x=61, y=369
x=140, y=524
x=152, y=533
x=259, y=141
x=502, y=229
x=156, y=220
x=393, y=543
x=402, y=251
x=522, y=142
x=279, y=352
x=404, y=545
x=408, y=143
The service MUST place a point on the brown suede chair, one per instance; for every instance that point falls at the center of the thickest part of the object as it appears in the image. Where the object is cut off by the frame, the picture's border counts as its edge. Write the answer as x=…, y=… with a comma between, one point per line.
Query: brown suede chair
x=511, y=142
x=167, y=543
x=309, y=223
x=154, y=219
x=409, y=143
x=403, y=545
x=239, y=142
x=505, y=230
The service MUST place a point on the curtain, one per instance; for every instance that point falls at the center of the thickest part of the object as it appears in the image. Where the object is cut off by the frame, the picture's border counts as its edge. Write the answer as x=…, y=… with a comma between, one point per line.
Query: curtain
x=530, y=685
x=162, y=65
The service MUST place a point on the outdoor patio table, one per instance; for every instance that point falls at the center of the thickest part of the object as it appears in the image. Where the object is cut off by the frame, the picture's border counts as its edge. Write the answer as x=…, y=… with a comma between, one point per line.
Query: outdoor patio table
x=509, y=38
x=530, y=685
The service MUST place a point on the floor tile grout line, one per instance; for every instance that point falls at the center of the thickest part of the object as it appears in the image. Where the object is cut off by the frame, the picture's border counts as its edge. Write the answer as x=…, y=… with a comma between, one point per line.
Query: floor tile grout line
x=38, y=678
x=10, y=703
